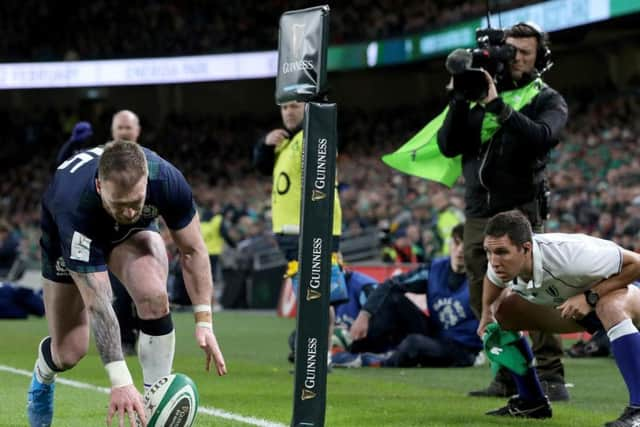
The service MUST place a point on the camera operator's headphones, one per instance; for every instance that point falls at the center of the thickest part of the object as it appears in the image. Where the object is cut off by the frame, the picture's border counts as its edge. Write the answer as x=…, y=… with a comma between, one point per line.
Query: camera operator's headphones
x=543, y=54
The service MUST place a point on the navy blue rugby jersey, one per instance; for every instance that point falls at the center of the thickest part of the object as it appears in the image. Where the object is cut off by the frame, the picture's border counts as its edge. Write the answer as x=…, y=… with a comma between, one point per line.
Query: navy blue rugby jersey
x=74, y=219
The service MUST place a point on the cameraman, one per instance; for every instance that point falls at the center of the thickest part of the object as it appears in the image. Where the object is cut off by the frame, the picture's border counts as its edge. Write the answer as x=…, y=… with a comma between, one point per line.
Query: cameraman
x=507, y=171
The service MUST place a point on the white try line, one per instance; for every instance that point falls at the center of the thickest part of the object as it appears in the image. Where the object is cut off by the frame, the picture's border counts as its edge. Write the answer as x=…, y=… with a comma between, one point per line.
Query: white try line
x=203, y=410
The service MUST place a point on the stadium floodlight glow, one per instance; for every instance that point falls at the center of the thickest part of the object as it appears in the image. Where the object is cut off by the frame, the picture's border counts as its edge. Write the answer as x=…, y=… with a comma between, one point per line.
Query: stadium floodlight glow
x=551, y=15
x=557, y=15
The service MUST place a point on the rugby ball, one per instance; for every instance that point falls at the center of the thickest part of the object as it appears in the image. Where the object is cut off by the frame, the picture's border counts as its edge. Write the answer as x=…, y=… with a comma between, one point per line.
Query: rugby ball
x=341, y=339
x=172, y=401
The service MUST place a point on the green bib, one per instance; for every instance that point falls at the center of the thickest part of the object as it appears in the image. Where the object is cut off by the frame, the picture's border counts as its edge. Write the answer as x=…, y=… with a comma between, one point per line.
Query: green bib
x=421, y=156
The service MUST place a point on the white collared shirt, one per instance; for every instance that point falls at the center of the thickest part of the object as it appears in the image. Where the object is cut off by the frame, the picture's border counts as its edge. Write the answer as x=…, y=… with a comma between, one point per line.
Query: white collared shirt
x=564, y=265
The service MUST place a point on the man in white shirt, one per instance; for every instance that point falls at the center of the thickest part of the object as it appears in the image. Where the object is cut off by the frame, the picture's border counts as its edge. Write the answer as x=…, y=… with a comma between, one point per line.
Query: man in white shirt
x=561, y=283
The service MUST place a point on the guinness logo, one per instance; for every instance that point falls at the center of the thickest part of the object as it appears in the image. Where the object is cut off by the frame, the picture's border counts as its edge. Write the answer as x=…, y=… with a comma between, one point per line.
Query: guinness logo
x=317, y=195
x=297, y=40
x=297, y=61
x=307, y=394
x=312, y=294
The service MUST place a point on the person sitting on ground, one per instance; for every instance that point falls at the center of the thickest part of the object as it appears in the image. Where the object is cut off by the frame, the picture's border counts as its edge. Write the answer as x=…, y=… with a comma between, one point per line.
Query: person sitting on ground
x=444, y=338
x=359, y=287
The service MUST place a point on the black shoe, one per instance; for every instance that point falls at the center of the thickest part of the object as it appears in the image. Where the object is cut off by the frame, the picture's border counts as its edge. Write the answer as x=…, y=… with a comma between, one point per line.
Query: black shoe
x=555, y=390
x=577, y=349
x=592, y=348
x=495, y=389
x=629, y=418
x=520, y=408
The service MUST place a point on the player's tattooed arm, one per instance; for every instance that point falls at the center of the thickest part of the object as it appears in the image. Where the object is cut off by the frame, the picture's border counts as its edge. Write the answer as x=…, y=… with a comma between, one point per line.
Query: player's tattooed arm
x=95, y=289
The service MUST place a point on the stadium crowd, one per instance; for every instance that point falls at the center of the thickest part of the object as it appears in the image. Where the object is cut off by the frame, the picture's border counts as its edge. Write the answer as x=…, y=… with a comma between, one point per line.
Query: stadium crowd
x=595, y=183
x=101, y=29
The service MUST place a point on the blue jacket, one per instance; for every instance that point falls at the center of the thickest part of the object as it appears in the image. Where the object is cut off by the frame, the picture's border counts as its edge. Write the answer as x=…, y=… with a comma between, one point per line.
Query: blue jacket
x=359, y=286
x=447, y=294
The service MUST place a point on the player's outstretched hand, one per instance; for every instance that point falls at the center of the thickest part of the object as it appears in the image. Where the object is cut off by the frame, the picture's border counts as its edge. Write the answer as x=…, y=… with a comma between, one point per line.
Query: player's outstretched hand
x=209, y=344
x=126, y=401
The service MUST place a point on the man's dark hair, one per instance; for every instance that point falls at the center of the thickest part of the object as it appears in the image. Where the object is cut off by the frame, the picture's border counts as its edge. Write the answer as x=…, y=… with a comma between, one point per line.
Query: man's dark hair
x=529, y=29
x=513, y=224
x=457, y=232
x=123, y=162
x=522, y=29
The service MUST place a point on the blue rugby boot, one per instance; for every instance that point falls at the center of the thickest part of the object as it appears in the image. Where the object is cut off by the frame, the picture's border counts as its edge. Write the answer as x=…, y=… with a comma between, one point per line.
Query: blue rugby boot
x=40, y=402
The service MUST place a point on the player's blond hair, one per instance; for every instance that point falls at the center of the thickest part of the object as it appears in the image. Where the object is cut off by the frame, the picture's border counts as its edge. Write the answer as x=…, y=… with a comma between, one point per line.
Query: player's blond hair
x=122, y=162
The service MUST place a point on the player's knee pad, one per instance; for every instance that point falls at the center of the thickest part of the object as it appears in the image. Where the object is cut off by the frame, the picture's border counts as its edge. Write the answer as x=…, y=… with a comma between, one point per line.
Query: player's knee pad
x=157, y=327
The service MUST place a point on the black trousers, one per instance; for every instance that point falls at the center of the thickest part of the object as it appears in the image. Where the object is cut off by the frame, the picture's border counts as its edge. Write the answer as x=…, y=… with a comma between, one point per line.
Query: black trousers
x=396, y=319
x=546, y=347
x=425, y=351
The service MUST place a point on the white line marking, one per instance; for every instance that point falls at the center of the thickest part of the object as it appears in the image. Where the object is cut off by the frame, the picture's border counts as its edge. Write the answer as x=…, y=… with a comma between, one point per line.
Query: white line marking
x=203, y=410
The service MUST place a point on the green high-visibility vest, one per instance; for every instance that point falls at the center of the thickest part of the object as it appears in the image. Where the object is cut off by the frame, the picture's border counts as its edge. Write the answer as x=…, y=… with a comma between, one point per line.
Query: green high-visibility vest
x=421, y=156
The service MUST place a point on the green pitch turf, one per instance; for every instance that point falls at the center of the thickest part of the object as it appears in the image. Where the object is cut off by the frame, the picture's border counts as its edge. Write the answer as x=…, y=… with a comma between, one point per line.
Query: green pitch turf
x=257, y=391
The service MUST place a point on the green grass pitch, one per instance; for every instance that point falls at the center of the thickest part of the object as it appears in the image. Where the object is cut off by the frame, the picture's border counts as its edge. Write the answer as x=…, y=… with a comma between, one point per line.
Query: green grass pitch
x=257, y=390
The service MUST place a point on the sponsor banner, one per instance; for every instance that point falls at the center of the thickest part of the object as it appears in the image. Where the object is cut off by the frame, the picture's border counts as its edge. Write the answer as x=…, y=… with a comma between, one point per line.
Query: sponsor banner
x=555, y=15
x=302, y=55
x=312, y=325
x=140, y=71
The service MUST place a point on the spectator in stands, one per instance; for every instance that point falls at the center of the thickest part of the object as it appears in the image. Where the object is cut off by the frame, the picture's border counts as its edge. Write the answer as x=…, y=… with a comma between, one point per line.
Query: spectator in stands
x=162, y=28
x=390, y=321
x=80, y=138
x=370, y=182
x=448, y=216
x=508, y=171
x=125, y=125
x=401, y=250
x=9, y=248
x=415, y=239
x=215, y=232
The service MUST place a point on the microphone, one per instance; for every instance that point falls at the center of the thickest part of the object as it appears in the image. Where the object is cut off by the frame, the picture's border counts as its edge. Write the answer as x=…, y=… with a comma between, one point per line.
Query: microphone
x=458, y=61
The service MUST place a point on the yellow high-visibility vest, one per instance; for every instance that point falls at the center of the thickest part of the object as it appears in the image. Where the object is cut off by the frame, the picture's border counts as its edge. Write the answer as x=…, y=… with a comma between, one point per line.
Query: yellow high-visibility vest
x=287, y=189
